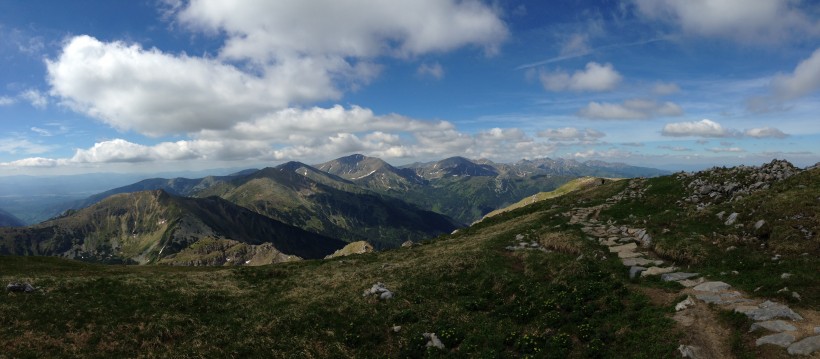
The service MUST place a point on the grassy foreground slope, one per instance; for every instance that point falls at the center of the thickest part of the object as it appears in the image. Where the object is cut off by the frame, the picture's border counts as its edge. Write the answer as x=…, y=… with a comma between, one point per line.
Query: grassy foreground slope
x=480, y=299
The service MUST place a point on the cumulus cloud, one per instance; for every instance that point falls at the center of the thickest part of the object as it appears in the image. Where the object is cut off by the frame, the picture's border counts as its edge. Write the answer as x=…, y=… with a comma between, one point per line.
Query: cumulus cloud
x=434, y=70
x=803, y=80
x=765, y=132
x=746, y=21
x=595, y=77
x=702, y=128
x=571, y=134
x=709, y=128
x=634, y=109
x=270, y=30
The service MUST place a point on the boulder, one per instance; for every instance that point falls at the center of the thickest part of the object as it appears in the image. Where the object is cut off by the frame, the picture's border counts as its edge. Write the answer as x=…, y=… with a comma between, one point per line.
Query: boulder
x=774, y=326
x=712, y=287
x=380, y=290
x=807, y=346
x=779, y=339
x=20, y=287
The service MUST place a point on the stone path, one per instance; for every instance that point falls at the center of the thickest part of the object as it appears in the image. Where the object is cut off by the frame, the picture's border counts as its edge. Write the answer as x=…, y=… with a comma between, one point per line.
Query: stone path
x=778, y=324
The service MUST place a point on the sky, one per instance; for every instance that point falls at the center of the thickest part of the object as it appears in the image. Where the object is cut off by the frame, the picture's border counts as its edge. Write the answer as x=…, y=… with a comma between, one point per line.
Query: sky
x=163, y=85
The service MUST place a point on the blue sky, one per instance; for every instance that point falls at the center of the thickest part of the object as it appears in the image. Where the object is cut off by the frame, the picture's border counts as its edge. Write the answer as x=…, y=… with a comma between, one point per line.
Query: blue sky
x=163, y=85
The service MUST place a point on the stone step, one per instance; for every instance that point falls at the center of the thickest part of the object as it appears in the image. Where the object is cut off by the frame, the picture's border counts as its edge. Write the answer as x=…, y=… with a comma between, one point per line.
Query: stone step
x=677, y=276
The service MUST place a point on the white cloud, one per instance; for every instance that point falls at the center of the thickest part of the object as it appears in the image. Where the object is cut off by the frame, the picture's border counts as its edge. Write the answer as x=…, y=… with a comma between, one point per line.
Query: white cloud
x=41, y=131
x=590, y=154
x=571, y=134
x=595, y=77
x=271, y=30
x=742, y=20
x=434, y=70
x=675, y=148
x=35, y=98
x=634, y=109
x=21, y=145
x=155, y=93
x=576, y=44
x=665, y=88
x=804, y=80
x=765, y=132
x=702, y=128
x=7, y=101
x=726, y=149
x=31, y=162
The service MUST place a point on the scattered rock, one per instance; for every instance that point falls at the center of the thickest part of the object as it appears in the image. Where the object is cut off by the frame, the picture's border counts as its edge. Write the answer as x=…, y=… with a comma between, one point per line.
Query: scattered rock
x=712, y=287
x=785, y=276
x=816, y=330
x=433, y=341
x=774, y=325
x=796, y=295
x=690, y=351
x=730, y=248
x=689, y=283
x=623, y=255
x=396, y=328
x=677, y=276
x=380, y=290
x=759, y=224
x=634, y=271
x=686, y=303
x=24, y=287
x=779, y=339
x=623, y=248
x=720, y=215
x=731, y=219
x=408, y=244
x=807, y=346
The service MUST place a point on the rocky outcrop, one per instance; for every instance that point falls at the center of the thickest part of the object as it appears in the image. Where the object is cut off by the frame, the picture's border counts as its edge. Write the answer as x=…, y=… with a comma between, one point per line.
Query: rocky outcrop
x=719, y=185
x=359, y=247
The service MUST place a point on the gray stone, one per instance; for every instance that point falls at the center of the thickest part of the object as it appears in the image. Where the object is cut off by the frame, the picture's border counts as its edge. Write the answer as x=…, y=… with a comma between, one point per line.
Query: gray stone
x=712, y=287
x=785, y=276
x=668, y=277
x=20, y=287
x=396, y=328
x=433, y=340
x=380, y=290
x=759, y=224
x=779, y=339
x=774, y=326
x=690, y=351
x=686, y=303
x=720, y=215
x=407, y=244
x=519, y=237
x=731, y=220
x=768, y=310
x=689, y=283
x=816, y=330
x=807, y=346
x=634, y=271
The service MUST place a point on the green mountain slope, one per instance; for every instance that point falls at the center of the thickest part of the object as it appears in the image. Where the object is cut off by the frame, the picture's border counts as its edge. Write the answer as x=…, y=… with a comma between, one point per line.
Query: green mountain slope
x=563, y=294
x=323, y=203
x=571, y=186
x=155, y=227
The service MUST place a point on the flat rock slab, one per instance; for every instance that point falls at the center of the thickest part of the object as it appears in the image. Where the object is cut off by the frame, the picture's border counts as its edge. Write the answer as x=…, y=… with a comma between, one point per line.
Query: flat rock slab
x=768, y=310
x=689, y=283
x=807, y=346
x=624, y=248
x=623, y=255
x=640, y=262
x=774, y=325
x=668, y=277
x=723, y=298
x=779, y=339
x=712, y=287
x=657, y=270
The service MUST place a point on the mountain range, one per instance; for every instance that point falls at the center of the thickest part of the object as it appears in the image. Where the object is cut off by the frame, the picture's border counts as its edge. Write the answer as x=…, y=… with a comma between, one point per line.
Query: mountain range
x=350, y=199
